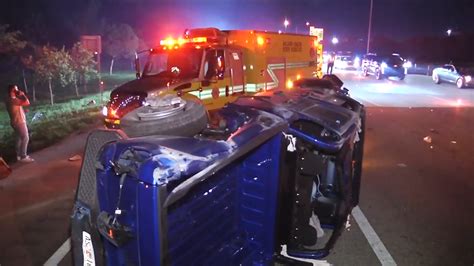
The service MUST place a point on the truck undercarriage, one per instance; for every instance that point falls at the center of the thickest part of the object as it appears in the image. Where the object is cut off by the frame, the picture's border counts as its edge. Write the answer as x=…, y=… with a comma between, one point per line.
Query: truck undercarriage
x=281, y=168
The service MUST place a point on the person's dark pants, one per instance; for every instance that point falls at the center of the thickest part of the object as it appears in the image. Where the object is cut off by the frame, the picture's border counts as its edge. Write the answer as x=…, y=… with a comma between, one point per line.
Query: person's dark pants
x=330, y=66
x=22, y=139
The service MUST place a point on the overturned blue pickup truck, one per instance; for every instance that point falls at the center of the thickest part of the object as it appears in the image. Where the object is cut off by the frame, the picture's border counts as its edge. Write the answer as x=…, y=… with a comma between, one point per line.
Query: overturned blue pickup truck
x=266, y=180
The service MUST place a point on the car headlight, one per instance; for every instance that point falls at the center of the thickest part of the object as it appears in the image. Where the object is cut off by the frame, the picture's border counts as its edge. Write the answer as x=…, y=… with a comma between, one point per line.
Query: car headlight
x=467, y=78
x=383, y=65
x=104, y=110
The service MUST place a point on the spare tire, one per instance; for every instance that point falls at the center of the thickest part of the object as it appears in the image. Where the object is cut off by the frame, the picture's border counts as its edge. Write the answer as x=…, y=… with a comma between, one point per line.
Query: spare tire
x=187, y=118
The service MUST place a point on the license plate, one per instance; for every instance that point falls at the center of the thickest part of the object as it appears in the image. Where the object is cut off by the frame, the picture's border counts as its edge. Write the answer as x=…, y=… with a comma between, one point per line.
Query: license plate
x=87, y=249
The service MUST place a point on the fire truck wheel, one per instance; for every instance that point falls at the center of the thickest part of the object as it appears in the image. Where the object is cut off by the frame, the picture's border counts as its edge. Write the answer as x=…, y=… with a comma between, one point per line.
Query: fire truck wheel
x=186, y=121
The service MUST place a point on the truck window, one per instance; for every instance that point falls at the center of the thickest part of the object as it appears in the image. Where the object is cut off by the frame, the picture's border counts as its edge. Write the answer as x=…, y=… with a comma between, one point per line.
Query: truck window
x=181, y=63
x=214, y=66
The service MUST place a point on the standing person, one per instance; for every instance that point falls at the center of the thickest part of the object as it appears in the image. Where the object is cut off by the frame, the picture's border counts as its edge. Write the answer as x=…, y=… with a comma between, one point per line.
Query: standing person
x=15, y=101
x=331, y=60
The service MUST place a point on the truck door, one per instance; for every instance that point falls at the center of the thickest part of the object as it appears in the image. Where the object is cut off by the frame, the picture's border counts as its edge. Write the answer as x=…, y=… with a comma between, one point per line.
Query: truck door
x=234, y=60
x=215, y=79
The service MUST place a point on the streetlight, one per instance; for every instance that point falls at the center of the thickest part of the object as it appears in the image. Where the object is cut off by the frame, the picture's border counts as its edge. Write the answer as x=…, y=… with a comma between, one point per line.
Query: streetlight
x=370, y=25
x=286, y=23
x=449, y=31
x=335, y=40
x=307, y=23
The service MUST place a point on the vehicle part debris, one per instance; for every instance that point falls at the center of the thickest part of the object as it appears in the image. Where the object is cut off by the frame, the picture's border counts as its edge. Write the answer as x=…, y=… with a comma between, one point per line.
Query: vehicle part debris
x=74, y=158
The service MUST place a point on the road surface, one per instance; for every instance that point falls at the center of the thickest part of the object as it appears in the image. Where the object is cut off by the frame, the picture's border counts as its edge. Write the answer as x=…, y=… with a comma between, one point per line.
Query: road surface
x=416, y=206
x=413, y=91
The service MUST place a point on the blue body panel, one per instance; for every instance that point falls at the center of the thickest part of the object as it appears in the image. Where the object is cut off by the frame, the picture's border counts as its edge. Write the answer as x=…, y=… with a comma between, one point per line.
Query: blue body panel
x=208, y=200
x=229, y=219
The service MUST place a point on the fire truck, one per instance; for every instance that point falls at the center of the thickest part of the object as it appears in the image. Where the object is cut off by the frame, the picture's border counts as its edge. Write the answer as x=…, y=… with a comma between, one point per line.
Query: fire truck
x=216, y=67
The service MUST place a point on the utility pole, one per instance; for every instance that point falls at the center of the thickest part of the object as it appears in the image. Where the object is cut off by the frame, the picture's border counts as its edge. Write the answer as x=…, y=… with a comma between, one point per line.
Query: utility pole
x=370, y=25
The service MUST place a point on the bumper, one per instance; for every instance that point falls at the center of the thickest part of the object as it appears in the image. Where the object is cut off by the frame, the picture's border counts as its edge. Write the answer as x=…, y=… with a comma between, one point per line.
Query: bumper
x=392, y=72
x=112, y=123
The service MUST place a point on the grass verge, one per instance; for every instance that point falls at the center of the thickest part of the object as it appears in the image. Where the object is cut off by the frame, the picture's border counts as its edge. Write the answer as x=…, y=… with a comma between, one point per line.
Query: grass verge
x=53, y=123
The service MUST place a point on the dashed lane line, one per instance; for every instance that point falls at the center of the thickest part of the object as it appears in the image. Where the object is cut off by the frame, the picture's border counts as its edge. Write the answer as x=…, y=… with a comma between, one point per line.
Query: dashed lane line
x=59, y=255
x=374, y=241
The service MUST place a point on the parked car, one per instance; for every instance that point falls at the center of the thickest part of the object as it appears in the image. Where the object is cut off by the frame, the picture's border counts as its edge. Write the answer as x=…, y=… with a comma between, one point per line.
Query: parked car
x=346, y=62
x=279, y=168
x=382, y=66
x=459, y=74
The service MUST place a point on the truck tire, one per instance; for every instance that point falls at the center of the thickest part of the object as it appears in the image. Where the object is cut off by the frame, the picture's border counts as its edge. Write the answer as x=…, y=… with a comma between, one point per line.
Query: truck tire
x=365, y=72
x=189, y=121
x=378, y=75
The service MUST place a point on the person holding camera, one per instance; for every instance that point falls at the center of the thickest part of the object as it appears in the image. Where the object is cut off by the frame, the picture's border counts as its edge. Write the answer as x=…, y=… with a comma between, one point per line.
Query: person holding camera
x=14, y=102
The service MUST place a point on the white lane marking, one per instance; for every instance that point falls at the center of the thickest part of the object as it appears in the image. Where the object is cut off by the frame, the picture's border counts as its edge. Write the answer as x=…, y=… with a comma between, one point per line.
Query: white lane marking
x=36, y=206
x=374, y=241
x=59, y=255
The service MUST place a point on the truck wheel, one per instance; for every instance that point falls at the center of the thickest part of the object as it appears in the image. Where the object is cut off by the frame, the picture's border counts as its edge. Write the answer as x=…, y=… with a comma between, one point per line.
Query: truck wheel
x=187, y=119
x=365, y=72
x=460, y=83
x=378, y=75
x=436, y=79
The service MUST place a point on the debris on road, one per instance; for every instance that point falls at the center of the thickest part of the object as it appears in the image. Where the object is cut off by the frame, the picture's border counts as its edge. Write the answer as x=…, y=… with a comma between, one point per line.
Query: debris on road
x=432, y=130
x=401, y=165
x=348, y=223
x=453, y=142
x=428, y=139
x=76, y=157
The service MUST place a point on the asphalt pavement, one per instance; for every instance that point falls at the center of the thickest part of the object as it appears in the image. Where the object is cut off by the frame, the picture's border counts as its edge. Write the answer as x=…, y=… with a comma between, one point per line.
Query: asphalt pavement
x=413, y=91
x=416, y=194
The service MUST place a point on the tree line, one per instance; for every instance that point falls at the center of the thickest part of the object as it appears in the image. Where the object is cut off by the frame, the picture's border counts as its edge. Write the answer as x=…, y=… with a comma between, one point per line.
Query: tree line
x=52, y=67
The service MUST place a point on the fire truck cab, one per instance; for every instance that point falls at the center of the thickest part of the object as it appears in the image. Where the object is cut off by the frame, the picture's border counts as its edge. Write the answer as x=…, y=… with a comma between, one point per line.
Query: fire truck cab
x=216, y=67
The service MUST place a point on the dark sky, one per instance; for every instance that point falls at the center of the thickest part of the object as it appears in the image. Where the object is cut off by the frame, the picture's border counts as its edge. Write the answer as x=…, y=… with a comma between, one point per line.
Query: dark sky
x=153, y=19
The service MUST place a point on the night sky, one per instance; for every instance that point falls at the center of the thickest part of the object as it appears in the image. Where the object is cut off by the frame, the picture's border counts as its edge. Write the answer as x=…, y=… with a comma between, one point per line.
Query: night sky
x=62, y=20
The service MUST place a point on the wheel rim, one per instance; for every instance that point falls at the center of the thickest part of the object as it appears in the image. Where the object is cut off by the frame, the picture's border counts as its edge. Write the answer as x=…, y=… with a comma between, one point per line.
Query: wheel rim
x=459, y=83
x=435, y=78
